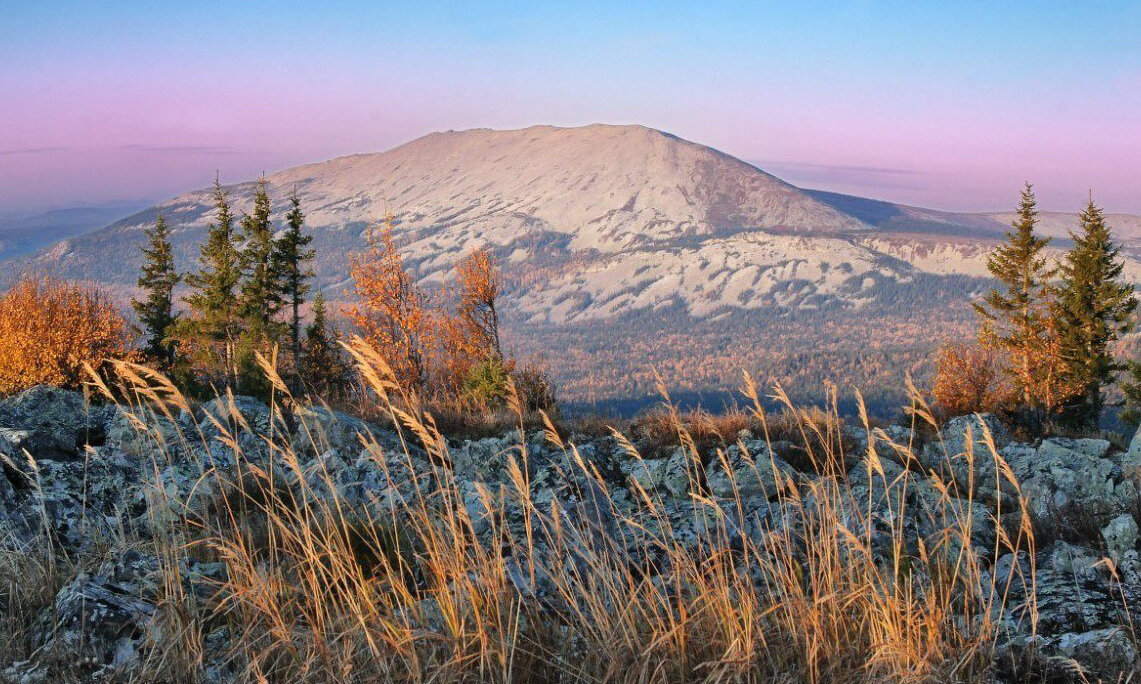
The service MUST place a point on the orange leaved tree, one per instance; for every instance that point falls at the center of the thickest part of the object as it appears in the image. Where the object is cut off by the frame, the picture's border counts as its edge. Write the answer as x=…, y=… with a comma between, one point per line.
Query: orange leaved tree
x=50, y=328
x=392, y=312
x=478, y=278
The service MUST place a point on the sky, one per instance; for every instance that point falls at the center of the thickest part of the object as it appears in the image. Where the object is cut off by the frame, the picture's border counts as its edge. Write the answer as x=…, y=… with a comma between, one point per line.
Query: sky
x=940, y=104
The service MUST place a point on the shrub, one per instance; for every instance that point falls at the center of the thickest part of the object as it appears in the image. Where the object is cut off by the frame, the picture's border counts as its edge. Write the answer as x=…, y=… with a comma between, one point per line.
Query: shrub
x=50, y=328
x=536, y=389
x=487, y=383
x=968, y=379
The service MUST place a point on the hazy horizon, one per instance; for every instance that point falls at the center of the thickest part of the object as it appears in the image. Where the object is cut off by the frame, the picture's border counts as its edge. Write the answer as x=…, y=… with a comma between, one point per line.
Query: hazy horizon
x=937, y=106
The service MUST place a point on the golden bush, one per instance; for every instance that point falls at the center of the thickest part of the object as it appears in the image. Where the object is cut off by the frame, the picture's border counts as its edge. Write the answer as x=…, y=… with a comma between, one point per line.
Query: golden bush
x=50, y=328
x=968, y=379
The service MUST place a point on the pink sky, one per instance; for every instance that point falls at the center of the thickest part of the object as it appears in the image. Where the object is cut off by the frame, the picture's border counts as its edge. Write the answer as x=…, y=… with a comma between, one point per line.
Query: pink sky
x=932, y=107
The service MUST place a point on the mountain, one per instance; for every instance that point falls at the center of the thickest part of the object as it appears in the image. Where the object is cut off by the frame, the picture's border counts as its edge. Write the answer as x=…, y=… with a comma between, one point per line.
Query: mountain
x=667, y=246
x=22, y=235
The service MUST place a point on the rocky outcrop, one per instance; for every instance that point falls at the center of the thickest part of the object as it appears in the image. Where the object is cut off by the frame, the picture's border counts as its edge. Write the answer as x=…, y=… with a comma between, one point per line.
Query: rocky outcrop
x=84, y=477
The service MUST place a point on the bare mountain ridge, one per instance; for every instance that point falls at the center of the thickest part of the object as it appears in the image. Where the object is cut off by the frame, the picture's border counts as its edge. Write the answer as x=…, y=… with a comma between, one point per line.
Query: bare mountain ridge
x=593, y=223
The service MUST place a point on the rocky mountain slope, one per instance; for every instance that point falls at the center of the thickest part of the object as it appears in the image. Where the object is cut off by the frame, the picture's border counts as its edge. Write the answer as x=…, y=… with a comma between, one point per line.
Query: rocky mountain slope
x=94, y=483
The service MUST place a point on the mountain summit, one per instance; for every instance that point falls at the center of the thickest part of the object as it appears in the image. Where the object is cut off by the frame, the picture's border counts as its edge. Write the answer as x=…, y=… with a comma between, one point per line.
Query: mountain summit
x=604, y=187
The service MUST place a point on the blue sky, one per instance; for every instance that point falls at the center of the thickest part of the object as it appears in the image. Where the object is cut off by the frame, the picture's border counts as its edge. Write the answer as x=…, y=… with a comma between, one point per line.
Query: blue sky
x=948, y=105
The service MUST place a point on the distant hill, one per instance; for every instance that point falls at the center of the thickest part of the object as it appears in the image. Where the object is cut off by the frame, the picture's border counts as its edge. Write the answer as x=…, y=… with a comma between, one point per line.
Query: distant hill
x=23, y=235
x=635, y=232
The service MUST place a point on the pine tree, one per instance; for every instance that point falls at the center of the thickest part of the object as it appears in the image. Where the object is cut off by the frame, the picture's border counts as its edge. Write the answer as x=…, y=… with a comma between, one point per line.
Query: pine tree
x=1012, y=317
x=1094, y=309
x=261, y=296
x=213, y=326
x=1131, y=414
x=157, y=280
x=323, y=365
x=291, y=258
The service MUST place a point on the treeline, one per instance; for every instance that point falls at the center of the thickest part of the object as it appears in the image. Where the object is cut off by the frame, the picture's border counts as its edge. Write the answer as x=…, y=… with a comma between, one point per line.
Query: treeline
x=1046, y=334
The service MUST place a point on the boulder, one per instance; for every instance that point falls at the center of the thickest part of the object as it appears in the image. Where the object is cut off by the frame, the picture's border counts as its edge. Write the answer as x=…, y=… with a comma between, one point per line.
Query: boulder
x=1120, y=536
x=1103, y=655
x=233, y=415
x=319, y=428
x=668, y=476
x=49, y=421
x=972, y=471
x=145, y=435
x=755, y=476
x=1069, y=484
x=101, y=624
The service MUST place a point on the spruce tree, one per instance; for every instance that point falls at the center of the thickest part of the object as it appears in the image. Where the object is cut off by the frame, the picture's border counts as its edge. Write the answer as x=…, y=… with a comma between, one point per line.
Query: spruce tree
x=323, y=365
x=1131, y=389
x=213, y=301
x=291, y=257
x=261, y=294
x=1012, y=314
x=157, y=280
x=1095, y=306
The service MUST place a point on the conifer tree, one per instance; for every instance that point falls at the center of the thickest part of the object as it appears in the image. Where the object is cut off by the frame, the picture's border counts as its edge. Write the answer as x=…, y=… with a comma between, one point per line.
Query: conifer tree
x=1012, y=315
x=323, y=364
x=157, y=280
x=1131, y=413
x=291, y=257
x=1094, y=309
x=261, y=297
x=213, y=326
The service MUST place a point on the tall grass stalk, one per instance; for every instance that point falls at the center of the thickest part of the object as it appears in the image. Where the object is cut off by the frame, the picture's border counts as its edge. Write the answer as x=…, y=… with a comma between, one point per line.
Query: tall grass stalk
x=828, y=585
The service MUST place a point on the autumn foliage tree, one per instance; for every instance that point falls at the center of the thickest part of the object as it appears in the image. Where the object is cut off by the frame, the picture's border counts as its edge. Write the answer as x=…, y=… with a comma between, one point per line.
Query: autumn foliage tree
x=392, y=314
x=473, y=363
x=447, y=350
x=49, y=330
x=478, y=279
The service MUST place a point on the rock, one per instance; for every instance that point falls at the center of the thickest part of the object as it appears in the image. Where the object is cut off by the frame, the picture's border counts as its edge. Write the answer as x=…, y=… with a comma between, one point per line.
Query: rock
x=972, y=472
x=320, y=428
x=670, y=476
x=1120, y=536
x=488, y=460
x=957, y=432
x=1068, y=485
x=1131, y=459
x=1106, y=655
x=751, y=476
x=1062, y=447
x=87, y=502
x=49, y=421
x=233, y=415
x=888, y=443
x=102, y=622
x=931, y=512
x=145, y=435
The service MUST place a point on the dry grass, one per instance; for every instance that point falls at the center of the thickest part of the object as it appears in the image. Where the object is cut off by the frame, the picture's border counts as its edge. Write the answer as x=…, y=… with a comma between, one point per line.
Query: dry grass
x=30, y=576
x=317, y=591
